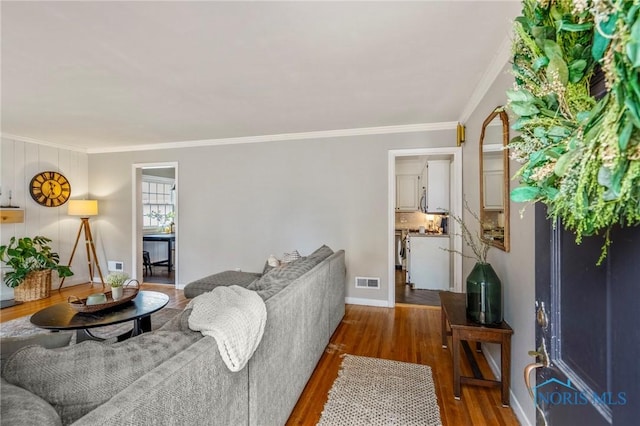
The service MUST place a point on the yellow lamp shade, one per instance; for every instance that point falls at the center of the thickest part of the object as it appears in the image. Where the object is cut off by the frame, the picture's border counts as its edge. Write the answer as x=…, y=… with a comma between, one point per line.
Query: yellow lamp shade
x=84, y=208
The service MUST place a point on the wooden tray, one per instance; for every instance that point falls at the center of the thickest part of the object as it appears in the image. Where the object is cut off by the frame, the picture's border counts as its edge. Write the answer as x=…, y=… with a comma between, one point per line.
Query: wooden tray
x=128, y=294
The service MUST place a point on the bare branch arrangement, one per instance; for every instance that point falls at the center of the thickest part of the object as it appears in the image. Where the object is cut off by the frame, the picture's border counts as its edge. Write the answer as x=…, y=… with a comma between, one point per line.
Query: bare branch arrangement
x=478, y=246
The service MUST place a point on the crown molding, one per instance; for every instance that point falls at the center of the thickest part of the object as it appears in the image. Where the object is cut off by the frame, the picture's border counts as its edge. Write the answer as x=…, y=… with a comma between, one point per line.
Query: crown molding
x=500, y=59
x=43, y=142
x=322, y=134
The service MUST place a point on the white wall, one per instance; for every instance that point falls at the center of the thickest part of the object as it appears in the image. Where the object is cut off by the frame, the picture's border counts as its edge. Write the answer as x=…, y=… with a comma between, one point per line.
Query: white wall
x=516, y=269
x=20, y=161
x=237, y=204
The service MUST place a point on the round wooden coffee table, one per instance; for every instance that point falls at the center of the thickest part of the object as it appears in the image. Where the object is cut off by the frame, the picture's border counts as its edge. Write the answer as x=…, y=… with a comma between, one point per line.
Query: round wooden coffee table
x=63, y=317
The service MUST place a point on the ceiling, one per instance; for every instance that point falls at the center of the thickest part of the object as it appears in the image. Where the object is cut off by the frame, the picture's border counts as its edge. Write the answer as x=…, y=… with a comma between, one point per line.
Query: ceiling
x=110, y=75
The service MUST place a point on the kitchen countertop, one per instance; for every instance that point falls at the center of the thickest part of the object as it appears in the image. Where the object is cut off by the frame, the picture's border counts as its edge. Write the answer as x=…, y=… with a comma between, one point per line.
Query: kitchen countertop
x=407, y=228
x=427, y=234
x=414, y=232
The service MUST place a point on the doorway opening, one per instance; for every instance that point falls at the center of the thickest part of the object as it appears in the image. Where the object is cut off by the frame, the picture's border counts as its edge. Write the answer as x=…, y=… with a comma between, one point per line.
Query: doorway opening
x=452, y=159
x=155, y=221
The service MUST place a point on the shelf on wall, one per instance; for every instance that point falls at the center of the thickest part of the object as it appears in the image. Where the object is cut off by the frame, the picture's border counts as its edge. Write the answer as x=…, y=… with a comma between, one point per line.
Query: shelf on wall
x=11, y=215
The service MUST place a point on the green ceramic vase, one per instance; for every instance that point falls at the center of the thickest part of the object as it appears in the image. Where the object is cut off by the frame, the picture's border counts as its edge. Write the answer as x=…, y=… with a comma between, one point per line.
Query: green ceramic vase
x=484, y=295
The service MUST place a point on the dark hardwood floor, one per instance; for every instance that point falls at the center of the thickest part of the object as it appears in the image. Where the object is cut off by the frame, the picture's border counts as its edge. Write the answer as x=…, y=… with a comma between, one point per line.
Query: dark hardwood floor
x=405, y=333
x=408, y=334
x=160, y=275
x=407, y=295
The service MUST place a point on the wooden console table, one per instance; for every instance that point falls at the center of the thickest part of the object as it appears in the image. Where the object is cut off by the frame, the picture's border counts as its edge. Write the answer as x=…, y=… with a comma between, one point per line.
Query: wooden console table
x=461, y=330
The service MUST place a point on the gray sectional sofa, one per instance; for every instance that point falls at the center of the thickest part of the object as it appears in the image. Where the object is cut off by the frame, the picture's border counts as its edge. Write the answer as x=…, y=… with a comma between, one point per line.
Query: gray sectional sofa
x=305, y=304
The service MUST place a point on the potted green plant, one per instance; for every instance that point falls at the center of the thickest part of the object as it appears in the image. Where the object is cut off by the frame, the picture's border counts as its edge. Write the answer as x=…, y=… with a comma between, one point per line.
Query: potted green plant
x=31, y=261
x=117, y=280
x=165, y=220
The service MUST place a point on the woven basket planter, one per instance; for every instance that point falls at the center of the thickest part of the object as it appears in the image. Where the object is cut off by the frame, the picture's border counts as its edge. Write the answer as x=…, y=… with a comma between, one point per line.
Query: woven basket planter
x=36, y=286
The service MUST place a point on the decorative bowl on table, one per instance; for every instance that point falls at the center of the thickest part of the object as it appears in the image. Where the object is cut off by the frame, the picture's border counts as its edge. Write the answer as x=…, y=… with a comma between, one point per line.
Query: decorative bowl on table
x=93, y=303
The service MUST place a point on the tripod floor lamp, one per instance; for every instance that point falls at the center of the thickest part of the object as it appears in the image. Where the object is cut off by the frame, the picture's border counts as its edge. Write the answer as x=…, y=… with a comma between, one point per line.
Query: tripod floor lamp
x=85, y=209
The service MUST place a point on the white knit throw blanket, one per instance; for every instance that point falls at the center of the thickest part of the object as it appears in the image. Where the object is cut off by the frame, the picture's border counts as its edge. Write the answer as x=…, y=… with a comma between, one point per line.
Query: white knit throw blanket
x=235, y=317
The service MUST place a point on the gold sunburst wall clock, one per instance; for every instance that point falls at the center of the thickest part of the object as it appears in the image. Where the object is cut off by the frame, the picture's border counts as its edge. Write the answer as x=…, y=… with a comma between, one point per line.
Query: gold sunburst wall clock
x=50, y=189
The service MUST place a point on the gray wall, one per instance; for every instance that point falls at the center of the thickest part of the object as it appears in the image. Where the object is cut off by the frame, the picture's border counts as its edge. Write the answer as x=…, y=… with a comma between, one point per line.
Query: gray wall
x=516, y=269
x=240, y=203
x=237, y=204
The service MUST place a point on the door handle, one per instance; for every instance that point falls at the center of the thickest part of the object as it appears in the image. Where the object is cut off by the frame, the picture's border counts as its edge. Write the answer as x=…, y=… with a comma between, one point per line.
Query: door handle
x=543, y=357
x=543, y=363
x=527, y=376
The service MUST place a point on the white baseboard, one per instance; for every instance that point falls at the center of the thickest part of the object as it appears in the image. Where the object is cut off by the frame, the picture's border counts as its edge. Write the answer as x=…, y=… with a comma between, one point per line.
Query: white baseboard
x=366, y=302
x=515, y=404
x=74, y=281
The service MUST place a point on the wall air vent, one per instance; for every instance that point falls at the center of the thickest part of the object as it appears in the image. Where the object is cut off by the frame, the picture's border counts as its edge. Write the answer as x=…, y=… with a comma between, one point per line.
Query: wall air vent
x=115, y=266
x=367, y=282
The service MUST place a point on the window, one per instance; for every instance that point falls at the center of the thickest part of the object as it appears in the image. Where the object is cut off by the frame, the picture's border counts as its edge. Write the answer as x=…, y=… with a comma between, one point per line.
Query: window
x=157, y=201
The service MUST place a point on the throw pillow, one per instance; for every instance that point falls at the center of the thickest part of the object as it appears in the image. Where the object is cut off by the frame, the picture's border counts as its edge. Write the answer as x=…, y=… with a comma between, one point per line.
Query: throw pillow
x=290, y=257
x=273, y=261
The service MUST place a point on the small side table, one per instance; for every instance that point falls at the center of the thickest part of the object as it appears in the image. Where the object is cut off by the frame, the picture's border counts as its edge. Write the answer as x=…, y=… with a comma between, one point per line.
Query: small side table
x=461, y=330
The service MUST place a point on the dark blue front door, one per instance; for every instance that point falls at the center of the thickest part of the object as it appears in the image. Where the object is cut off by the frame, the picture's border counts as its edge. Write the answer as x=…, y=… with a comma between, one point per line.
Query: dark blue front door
x=587, y=330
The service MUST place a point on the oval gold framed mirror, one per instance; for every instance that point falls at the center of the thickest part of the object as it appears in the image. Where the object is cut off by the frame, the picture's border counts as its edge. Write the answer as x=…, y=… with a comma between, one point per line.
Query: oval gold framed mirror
x=494, y=179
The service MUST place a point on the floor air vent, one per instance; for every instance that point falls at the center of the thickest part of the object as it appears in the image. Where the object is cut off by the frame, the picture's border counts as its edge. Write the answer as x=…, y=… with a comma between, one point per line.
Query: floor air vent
x=367, y=282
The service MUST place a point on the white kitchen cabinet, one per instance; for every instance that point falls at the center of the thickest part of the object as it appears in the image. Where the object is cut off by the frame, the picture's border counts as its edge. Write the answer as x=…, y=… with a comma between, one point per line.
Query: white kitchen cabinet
x=493, y=181
x=438, y=181
x=427, y=264
x=407, y=198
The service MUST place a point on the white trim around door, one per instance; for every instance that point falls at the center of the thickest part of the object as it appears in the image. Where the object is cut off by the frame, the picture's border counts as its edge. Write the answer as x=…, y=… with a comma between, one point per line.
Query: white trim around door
x=455, y=209
x=136, y=217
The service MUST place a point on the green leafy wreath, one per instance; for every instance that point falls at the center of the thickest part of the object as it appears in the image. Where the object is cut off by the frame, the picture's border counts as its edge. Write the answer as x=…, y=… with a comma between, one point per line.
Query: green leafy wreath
x=580, y=155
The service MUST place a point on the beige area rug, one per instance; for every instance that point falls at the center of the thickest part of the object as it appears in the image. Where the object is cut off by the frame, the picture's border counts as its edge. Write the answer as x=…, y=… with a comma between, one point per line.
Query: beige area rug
x=23, y=327
x=372, y=391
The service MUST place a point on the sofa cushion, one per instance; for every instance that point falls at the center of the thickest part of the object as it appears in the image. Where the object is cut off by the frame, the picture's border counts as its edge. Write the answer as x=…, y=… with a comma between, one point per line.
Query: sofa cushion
x=320, y=254
x=225, y=278
x=8, y=345
x=278, y=278
x=78, y=378
x=179, y=322
x=21, y=407
x=283, y=273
